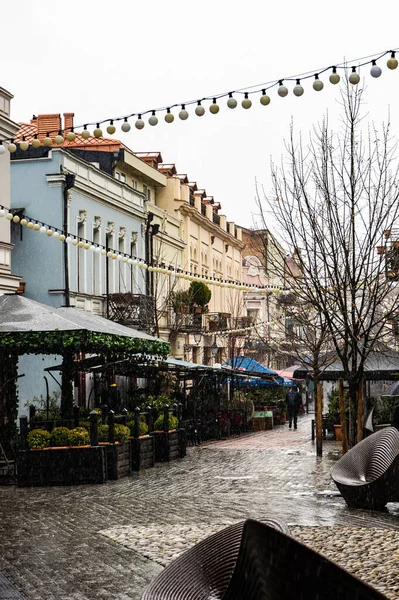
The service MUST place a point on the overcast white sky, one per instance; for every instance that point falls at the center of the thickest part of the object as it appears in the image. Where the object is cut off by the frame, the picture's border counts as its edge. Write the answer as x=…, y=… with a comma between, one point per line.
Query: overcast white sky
x=102, y=59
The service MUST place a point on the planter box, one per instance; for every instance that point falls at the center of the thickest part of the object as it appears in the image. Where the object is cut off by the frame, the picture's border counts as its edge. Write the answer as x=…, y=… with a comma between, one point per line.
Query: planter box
x=63, y=466
x=142, y=452
x=118, y=459
x=170, y=445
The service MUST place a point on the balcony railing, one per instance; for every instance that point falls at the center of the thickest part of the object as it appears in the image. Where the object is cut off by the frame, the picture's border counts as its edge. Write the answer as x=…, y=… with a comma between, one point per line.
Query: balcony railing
x=185, y=322
x=216, y=218
x=134, y=310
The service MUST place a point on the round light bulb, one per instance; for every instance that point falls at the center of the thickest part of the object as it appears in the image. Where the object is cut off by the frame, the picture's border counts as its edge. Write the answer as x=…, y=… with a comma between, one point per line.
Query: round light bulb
x=16, y=219
x=114, y=256
x=111, y=129
x=59, y=139
x=2, y=149
x=23, y=222
x=36, y=227
x=71, y=136
x=86, y=246
x=282, y=90
x=214, y=108
x=139, y=124
x=124, y=259
x=23, y=145
x=36, y=143
x=109, y=254
x=80, y=244
x=98, y=250
x=169, y=118
x=129, y=261
x=334, y=78
x=92, y=248
x=126, y=126
x=354, y=78
x=298, y=89
x=246, y=103
x=318, y=84
x=30, y=225
x=264, y=99
x=153, y=120
x=56, y=235
x=74, y=242
x=103, y=252
x=392, y=63
x=49, y=232
x=183, y=114
x=85, y=134
x=62, y=237
x=232, y=102
x=47, y=141
x=43, y=229
x=375, y=71
x=199, y=110
x=97, y=132
x=12, y=148
x=68, y=240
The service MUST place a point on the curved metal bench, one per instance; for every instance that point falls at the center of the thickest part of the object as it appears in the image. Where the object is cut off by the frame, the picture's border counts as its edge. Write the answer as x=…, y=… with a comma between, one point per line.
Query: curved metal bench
x=255, y=561
x=368, y=475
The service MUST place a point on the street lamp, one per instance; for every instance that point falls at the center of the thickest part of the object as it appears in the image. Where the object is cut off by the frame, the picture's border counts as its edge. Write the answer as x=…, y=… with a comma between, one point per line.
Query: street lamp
x=214, y=349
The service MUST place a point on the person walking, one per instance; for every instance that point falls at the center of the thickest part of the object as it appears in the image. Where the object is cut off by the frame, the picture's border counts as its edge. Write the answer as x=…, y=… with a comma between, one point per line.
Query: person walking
x=294, y=401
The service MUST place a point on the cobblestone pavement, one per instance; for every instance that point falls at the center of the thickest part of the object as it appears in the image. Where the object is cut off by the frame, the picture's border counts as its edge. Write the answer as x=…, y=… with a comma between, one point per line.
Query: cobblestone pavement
x=65, y=543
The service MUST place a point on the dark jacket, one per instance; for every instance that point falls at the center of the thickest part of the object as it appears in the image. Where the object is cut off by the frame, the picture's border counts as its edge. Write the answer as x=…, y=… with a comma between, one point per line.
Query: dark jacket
x=293, y=400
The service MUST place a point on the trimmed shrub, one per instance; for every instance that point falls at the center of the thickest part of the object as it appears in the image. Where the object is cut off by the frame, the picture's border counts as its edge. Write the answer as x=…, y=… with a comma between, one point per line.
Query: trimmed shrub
x=143, y=428
x=79, y=437
x=103, y=433
x=59, y=436
x=173, y=422
x=121, y=433
x=39, y=438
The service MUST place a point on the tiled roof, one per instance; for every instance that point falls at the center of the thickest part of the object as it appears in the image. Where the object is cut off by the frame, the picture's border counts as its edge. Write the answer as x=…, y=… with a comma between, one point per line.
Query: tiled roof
x=28, y=130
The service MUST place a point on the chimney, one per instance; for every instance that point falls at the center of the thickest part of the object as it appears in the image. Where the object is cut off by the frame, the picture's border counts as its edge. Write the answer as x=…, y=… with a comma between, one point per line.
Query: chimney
x=68, y=121
x=48, y=123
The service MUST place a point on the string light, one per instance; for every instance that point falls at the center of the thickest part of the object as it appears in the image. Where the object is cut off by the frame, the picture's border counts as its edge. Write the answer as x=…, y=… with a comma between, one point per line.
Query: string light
x=214, y=108
x=84, y=244
x=183, y=114
x=334, y=78
x=246, y=103
x=298, y=89
x=199, y=109
x=282, y=90
x=375, y=70
x=231, y=102
x=392, y=62
x=317, y=84
x=354, y=77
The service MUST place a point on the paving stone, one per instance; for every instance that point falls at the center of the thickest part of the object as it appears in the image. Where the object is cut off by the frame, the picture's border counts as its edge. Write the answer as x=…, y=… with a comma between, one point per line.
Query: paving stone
x=53, y=542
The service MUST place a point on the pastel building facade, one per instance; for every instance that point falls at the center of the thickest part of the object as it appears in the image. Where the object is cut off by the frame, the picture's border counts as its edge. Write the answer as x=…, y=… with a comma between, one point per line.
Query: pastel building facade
x=9, y=282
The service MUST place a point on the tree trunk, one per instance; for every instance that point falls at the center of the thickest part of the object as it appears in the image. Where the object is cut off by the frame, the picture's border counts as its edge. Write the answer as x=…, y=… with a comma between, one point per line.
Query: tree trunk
x=360, y=403
x=67, y=399
x=8, y=395
x=319, y=419
x=342, y=415
x=352, y=437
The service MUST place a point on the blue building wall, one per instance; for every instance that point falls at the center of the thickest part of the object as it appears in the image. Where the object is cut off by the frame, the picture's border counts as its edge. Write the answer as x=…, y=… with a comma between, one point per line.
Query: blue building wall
x=39, y=259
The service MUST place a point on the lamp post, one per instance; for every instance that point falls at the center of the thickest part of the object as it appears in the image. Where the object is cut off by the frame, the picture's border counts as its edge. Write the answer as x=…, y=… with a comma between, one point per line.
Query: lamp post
x=150, y=231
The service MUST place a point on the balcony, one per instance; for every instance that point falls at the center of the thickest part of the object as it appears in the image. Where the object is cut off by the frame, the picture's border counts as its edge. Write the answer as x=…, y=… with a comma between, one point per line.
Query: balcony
x=132, y=310
x=185, y=322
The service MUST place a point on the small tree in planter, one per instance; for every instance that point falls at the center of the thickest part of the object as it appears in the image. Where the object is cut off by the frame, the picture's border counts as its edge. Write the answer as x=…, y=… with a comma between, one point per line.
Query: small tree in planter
x=159, y=423
x=79, y=437
x=200, y=296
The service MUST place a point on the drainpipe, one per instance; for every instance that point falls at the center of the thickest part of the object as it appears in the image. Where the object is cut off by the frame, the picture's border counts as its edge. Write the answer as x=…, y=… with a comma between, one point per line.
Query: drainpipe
x=68, y=184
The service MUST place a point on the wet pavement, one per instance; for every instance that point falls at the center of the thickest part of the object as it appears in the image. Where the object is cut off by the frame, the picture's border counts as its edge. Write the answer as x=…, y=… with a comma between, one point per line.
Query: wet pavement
x=64, y=543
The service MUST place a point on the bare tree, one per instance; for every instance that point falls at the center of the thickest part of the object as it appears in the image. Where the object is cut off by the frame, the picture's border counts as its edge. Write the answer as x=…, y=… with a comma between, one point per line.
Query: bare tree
x=331, y=203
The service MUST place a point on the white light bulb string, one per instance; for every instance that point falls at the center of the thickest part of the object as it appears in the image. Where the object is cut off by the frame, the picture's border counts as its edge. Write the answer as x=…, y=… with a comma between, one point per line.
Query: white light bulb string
x=262, y=88
x=85, y=244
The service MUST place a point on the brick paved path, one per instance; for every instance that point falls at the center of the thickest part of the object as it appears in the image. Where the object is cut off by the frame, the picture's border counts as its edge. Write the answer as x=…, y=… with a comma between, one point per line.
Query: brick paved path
x=51, y=541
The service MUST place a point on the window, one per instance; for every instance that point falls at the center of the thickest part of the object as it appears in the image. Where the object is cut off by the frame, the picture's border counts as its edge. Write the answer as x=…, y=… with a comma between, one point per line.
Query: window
x=117, y=175
x=81, y=259
x=120, y=176
x=123, y=178
x=134, y=184
x=96, y=264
